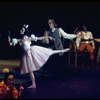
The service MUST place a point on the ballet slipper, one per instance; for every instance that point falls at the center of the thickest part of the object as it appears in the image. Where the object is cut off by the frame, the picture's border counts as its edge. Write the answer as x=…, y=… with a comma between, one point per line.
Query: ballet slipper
x=32, y=86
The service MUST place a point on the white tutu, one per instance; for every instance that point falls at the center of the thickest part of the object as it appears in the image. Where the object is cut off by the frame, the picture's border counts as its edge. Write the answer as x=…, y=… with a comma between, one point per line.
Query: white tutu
x=35, y=59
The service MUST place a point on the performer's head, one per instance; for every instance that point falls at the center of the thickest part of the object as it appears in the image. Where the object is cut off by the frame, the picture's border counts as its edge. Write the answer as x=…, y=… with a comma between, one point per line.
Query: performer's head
x=24, y=31
x=8, y=76
x=84, y=28
x=51, y=23
x=46, y=33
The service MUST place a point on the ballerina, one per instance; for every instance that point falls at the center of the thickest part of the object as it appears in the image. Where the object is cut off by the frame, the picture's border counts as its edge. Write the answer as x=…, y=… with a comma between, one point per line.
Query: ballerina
x=34, y=57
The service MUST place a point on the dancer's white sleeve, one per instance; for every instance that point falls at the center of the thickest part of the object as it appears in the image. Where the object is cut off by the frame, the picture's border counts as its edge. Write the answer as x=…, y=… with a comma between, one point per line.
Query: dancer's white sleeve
x=33, y=37
x=14, y=41
x=66, y=35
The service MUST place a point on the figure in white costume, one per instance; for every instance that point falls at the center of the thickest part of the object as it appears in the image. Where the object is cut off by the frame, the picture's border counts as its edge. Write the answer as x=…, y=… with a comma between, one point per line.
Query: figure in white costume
x=34, y=57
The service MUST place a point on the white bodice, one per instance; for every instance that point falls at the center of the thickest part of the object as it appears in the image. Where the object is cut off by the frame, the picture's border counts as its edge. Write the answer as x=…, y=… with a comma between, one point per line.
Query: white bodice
x=26, y=45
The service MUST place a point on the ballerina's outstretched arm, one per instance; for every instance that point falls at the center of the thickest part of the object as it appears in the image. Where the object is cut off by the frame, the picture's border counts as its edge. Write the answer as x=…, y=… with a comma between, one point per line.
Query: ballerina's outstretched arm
x=14, y=41
x=43, y=37
x=34, y=38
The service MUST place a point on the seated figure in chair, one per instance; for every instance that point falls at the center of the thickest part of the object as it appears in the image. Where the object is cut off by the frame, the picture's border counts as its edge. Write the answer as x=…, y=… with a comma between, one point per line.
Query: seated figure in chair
x=86, y=42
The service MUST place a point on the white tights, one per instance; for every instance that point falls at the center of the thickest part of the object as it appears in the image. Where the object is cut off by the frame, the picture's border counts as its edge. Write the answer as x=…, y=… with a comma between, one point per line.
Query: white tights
x=58, y=51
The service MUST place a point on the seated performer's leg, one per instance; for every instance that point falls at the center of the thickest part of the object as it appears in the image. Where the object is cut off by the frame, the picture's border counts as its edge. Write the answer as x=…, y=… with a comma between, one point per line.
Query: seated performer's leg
x=82, y=48
x=91, y=51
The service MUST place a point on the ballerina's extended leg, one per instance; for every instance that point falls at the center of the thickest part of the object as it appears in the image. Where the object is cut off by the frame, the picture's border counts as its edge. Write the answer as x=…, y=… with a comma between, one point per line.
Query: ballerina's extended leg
x=58, y=51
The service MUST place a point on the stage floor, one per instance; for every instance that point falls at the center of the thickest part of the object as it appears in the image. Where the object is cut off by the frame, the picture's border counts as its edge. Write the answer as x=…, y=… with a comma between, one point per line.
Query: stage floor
x=74, y=83
x=11, y=63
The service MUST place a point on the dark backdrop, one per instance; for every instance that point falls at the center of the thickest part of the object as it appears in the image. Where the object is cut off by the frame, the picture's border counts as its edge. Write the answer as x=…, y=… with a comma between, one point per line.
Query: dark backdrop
x=67, y=14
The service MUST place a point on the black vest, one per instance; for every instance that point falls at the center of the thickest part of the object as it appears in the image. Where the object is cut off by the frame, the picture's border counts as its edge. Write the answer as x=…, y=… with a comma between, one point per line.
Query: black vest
x=57, y=44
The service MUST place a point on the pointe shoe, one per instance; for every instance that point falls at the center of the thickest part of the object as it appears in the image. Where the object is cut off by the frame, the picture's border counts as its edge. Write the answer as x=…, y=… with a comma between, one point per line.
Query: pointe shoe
x=65, y=50
x=32, y=86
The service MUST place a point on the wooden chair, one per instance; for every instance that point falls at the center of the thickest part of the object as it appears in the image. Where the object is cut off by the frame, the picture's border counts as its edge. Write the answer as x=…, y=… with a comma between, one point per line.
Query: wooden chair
x=98, y=54
x=73, y=51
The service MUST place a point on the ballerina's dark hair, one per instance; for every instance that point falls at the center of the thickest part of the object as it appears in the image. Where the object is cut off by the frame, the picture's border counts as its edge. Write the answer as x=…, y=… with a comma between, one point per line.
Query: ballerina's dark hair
x=25, y=33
